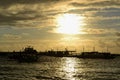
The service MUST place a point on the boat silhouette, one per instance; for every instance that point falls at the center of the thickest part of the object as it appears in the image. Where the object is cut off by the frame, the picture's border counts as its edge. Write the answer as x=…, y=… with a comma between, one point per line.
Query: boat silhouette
x=29, y=54
x=96, y=55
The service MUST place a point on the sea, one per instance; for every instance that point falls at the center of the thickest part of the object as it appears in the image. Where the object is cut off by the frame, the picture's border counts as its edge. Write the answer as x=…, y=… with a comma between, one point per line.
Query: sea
x=61, y=68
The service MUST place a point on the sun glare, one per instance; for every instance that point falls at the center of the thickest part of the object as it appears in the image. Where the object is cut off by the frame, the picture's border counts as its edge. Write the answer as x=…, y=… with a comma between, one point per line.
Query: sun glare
x=69, y=23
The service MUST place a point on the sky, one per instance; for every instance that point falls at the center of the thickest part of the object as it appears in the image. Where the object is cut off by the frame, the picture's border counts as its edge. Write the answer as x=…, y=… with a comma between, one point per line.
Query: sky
x=60, y=24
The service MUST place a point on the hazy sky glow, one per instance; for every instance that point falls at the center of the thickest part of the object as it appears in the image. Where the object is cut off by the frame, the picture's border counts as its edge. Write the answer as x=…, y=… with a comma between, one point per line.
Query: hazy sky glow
x=35, y=22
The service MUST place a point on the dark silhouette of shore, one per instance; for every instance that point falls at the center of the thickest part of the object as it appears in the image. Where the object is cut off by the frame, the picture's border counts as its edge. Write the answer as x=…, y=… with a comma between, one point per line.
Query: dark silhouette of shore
x=29, y=54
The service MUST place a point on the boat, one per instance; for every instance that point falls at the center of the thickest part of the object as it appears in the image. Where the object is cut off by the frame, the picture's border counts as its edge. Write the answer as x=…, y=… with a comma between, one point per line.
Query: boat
x=96, y=55
x=29, y=54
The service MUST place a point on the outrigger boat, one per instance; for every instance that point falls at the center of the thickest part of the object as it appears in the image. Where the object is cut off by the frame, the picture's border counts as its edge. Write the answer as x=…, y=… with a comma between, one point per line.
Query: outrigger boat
x=96, y=55
x=27, y=55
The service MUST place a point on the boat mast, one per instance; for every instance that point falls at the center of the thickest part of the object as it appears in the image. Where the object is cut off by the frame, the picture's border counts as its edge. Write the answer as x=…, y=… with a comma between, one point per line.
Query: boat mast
x=83, y=48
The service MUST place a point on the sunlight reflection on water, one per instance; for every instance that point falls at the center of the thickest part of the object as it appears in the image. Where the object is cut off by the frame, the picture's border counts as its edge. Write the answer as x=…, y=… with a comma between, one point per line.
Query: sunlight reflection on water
x=57, y=68
x=69, y=68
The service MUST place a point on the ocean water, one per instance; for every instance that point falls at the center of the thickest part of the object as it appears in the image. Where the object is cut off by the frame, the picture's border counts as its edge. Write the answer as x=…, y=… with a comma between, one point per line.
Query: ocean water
x=65, y=68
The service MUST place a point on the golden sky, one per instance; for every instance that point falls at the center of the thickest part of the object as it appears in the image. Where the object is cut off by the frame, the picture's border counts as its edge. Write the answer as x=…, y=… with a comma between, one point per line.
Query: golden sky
x=57, y=24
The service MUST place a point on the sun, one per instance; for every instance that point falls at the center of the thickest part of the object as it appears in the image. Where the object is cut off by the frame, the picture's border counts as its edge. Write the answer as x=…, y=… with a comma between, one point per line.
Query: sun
x=69, y=23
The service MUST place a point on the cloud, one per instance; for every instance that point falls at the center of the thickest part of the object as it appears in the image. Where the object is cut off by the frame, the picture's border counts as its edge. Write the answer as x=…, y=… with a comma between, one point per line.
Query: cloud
x=39, y=13
x=7, y=3
x=29, y=13
x=83, y=10
x=118, y=34
x=118, y=42
x=102, y=43
x=96, y=3
x=105, y=13
x=98, y=31
x=19, y=21
x=11, y=37
x=118, y=39
x=15, y=17
x=94, y=9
